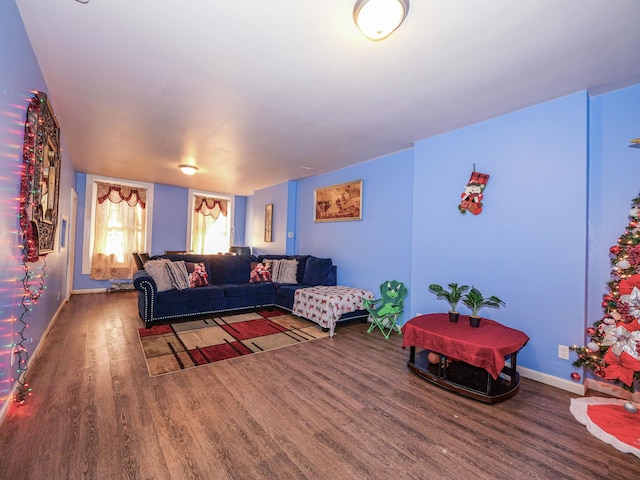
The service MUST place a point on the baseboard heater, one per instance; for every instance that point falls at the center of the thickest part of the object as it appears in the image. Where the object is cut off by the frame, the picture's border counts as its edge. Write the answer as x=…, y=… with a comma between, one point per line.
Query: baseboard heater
x=123, y=286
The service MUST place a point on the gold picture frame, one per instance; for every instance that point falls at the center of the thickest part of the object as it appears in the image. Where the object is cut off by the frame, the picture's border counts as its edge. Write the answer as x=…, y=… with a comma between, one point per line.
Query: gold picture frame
x=268, y=223
x=338, y=203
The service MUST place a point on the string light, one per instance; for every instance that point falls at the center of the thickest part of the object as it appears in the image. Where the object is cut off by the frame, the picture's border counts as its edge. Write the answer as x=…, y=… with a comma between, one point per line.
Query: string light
x=33, y=283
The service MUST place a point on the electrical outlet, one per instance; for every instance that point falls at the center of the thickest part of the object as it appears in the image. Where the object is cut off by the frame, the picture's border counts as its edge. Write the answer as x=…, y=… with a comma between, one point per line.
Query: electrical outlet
x=563, y=352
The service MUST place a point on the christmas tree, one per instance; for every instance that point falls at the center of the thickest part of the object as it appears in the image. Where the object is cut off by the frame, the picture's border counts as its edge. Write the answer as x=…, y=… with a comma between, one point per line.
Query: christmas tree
x=613, y=352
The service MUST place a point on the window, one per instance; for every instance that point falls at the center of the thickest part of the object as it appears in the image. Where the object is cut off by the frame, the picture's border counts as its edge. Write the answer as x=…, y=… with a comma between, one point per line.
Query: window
x=210, y=223
x=117, y=227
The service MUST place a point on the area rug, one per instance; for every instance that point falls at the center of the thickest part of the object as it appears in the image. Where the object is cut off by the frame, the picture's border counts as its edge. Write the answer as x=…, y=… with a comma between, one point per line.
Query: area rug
x=179, y=346
x=607, y=420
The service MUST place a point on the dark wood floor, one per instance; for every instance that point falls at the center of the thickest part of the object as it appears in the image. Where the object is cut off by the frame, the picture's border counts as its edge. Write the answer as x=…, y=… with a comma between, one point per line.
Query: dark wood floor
x=345, y=407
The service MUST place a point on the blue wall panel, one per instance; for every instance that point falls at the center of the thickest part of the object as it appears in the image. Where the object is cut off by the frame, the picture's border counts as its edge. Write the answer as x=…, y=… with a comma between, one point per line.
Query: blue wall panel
x=376, y=248
x=528, y=245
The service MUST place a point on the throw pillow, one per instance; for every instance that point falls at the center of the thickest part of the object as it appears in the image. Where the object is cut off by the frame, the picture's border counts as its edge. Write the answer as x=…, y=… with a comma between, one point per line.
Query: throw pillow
x=178, y=275
x=158, y=271
x=317, y=271
x=284, y=271
x=260, y=272
x=197, y=274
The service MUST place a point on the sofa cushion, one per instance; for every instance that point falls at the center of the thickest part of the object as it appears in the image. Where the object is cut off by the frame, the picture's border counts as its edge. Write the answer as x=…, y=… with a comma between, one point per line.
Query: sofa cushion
x=302, y=262
x=227, y=269
x=317, y=271
x=260, y=272
x=247, y=289
x=192, y=257
x=178, y=275
x=197, y=274
x=158, y=271
x=191, y=295
x=284, y=271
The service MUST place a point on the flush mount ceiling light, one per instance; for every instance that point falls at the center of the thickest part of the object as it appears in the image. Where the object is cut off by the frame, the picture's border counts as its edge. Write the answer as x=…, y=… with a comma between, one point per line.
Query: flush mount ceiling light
x=377, y=19
x=188, y=169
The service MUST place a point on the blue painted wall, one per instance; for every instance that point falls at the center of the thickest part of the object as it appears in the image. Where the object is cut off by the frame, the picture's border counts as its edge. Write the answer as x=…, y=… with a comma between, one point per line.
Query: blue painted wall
x=170, y=215
x=528, y=245
x=278, y=195
x=19, y=76
x=376, y=248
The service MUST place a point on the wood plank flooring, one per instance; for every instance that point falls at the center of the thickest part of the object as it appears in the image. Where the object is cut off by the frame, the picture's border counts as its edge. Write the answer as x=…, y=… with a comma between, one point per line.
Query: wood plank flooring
x=345, y=407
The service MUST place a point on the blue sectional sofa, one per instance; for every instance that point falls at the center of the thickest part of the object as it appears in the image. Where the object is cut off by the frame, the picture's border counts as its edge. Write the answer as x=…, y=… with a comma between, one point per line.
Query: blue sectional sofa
x=228, y=286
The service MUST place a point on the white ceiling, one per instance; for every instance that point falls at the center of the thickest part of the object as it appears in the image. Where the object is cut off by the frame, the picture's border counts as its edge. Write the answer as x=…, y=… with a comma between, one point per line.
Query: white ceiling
x=259, y=92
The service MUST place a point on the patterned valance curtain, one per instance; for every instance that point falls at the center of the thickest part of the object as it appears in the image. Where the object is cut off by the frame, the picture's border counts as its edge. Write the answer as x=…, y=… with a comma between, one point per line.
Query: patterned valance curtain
x=121, y=193
x=211, y=206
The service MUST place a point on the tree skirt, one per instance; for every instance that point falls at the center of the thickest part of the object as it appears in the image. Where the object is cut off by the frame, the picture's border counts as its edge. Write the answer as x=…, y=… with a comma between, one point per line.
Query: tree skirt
x=607, y=420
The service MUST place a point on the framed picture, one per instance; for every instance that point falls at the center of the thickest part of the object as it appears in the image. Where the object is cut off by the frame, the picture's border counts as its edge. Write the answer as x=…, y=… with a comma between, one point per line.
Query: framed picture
x=338, y=203
x=268, y=222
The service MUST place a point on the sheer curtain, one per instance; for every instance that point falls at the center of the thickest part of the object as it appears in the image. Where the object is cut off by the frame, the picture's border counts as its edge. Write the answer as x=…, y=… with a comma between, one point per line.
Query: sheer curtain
x=210, y=226
x=119, y=230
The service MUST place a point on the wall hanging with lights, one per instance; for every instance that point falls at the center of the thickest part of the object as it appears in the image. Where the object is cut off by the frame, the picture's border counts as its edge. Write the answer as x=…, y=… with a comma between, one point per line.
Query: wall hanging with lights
x=377, y=19
x=37, y=217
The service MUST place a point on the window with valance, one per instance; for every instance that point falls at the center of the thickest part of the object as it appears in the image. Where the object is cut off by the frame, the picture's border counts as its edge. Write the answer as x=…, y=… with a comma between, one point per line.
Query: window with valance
x=120, y=219
x=210, y=226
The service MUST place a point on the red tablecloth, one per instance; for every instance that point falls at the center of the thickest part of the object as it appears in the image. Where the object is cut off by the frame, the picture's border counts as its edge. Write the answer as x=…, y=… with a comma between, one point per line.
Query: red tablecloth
x=484, y=347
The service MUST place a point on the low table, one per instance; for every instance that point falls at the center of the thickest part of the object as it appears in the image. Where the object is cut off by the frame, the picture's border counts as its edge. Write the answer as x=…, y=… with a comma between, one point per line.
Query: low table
x=325, y=305
x=471, y=360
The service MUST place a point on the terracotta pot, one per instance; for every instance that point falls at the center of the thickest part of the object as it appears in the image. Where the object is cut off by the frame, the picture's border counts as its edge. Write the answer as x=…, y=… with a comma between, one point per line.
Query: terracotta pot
x=453, y=316
x=474, y=321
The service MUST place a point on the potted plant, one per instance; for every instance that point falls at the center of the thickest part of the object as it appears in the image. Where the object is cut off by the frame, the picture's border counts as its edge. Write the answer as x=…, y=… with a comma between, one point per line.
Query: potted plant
x=453, y=296
x=475, y=301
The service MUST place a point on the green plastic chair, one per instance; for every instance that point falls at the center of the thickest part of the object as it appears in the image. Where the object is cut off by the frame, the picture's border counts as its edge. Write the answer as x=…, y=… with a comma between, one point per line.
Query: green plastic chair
x=385, y=311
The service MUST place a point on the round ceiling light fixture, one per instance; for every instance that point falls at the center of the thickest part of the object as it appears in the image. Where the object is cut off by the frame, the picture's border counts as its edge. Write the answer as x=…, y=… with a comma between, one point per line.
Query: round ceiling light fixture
x=188, y=169
x=377, y=19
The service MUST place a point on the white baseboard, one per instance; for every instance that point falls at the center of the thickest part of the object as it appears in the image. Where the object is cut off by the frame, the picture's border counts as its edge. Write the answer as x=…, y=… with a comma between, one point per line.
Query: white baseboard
x=89, y=290
x=611, y=389
x=4, y=408
x=557, y=382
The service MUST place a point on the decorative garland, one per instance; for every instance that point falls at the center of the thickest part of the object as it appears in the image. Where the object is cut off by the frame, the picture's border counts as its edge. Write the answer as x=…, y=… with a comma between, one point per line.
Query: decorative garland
x=33, y=283
x=614, y=350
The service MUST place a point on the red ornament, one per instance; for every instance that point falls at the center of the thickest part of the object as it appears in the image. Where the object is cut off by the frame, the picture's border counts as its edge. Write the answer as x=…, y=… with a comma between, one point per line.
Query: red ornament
x=575, y=376
x=608, y=298
x=591, y=331
x=615, y=250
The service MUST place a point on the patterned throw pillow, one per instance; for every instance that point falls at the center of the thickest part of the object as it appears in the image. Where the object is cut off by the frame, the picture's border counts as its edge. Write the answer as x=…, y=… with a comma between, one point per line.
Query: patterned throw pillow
x=178, y=275
x=158, y=271
x=260, y=272
x=197, y=274
x=284, y=271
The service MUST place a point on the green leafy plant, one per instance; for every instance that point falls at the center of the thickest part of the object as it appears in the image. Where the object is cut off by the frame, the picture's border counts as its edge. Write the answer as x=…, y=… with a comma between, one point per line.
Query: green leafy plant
x=475, y=301
x=453, y=295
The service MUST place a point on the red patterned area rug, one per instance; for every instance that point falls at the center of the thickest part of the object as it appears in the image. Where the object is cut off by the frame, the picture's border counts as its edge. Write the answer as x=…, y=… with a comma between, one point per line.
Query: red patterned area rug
x=178, y=346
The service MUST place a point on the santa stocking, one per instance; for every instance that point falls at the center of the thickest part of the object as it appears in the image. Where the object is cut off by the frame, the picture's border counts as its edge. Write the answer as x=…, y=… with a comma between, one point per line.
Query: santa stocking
x=472, y=195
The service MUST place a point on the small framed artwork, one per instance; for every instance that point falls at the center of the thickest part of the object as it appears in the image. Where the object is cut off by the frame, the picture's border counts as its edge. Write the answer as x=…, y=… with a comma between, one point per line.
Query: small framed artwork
x=338, y=203
x=268, y=223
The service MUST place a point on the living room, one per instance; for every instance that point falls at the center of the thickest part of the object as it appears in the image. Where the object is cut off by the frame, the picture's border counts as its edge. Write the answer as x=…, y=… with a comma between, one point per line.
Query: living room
x=562, y=177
